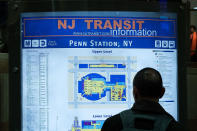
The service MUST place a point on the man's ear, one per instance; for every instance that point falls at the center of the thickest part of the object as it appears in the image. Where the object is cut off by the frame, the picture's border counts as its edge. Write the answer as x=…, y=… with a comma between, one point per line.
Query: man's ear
x=162, y=92
x=135, y=92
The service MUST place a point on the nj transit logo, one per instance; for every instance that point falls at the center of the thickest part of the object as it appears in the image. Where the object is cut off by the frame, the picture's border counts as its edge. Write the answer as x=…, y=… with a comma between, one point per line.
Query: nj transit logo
x=35, y=43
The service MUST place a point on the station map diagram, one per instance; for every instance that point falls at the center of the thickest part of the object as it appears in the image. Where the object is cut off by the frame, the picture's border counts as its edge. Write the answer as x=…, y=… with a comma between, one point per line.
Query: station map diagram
x=87, y=125
x=100, y=80
x=94, y=86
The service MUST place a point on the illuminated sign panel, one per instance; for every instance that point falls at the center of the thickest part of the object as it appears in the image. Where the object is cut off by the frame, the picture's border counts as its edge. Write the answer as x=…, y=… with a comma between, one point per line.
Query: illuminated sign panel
x=116, y=30
x=78, y=67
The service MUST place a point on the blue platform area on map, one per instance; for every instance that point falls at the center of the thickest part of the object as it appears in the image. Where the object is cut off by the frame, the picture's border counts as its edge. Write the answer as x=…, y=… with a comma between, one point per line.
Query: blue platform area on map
x=114, y=66
x=106, y=87
x=92, y=124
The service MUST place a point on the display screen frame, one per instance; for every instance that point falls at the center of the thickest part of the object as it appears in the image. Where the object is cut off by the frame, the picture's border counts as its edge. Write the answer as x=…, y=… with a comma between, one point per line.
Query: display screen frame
x=15, y=49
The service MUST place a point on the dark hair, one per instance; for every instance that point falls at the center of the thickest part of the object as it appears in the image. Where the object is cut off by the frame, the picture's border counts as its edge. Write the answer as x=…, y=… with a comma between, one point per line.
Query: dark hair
x=193, y=26
x=149, y=83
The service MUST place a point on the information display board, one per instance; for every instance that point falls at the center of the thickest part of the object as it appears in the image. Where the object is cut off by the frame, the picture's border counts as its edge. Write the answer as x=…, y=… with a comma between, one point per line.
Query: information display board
x=78, y=67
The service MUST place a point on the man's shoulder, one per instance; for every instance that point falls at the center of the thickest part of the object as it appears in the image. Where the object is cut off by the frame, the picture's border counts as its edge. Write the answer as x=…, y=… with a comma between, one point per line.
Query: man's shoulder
x=175, y=126
x=114, y=118
x=113, y=123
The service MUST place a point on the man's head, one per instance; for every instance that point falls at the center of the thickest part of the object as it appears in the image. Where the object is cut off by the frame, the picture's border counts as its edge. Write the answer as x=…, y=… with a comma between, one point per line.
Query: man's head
x=148, y=84
x=192, y=28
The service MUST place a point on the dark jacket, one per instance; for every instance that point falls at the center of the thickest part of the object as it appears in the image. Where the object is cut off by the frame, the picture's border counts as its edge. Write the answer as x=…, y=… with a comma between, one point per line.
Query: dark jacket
x=114, y=123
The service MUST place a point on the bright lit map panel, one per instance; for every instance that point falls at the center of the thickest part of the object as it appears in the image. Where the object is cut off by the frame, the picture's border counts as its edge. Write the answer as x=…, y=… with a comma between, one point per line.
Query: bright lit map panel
x=78, y=67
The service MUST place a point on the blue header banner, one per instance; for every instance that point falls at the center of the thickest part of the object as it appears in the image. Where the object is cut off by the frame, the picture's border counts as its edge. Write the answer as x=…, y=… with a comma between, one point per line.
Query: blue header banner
x=98, y=32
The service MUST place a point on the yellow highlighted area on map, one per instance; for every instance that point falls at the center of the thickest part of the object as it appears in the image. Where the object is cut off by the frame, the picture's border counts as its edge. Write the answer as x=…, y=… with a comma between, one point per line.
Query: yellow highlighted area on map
x=116, y=93
x=102, y=65
x=97, y=87
x=92, y=86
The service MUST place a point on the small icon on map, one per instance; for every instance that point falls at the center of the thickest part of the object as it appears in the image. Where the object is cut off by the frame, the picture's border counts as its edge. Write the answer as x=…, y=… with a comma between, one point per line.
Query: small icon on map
x=157, y=43
x=165, y=44
x=27, y=43
x=35, y=43
x=171, y=44
x=43, y=43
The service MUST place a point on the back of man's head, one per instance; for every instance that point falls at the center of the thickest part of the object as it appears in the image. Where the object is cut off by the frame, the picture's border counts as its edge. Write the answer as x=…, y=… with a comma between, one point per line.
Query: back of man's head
x=149, y=83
